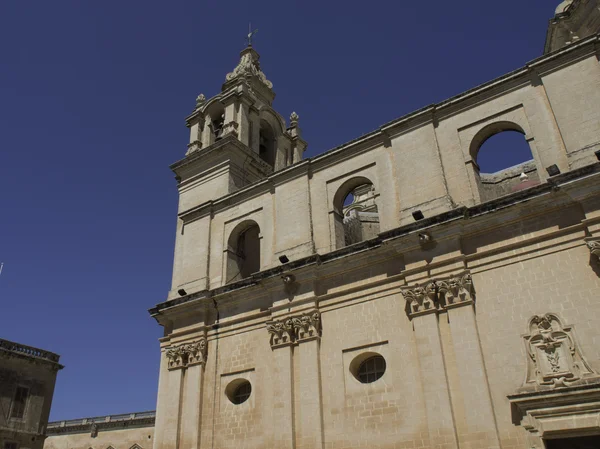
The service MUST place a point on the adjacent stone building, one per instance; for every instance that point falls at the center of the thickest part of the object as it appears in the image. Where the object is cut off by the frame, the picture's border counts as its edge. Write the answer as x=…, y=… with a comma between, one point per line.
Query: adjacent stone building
x=388, y=293
x=27, y=379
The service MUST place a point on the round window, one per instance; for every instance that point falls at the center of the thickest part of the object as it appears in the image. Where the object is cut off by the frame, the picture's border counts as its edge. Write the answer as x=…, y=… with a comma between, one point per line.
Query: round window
x=368, y=367
x=238, y=391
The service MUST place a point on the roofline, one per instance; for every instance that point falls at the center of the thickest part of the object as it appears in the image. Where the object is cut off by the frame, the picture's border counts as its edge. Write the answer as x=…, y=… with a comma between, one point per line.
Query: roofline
x=29, y=352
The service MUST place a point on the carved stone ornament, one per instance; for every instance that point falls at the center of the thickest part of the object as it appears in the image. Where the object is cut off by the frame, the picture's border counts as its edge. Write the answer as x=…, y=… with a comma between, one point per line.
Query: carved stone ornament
x=439, y=294
x=294, y=119
x=200, y=100
x=249, y=67
x=593, y=245
x=553, y=356
x=295, y=329
x=193, y=147
x=187, y=354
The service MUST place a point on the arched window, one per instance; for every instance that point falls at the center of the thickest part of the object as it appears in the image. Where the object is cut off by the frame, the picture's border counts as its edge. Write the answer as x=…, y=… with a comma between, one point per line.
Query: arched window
x=266, y=143
x=243, y=251
x=504, y=161
x=355, y=212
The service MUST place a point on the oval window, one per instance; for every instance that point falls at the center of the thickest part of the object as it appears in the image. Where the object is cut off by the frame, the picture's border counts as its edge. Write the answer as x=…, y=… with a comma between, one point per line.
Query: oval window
x=238, y=391
x=370, y=369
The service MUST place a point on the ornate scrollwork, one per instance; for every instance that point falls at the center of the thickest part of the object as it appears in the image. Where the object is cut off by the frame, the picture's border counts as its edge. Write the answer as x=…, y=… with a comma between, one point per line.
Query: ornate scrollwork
x=187, y=354
x=553, y=358
x=248, y=67
x=294, y=329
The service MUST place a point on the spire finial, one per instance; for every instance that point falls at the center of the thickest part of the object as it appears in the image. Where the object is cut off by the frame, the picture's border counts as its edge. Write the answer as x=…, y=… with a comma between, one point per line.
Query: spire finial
x=250, y=34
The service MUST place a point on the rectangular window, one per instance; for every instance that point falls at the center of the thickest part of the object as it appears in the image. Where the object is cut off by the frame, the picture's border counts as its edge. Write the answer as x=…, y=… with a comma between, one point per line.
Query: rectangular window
x=10, y=445
x=18, y=407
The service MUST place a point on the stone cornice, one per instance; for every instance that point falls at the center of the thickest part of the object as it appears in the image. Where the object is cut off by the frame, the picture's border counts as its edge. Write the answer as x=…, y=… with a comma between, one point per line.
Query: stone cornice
x=36, y=355
x=91, y=425
x=542, y=196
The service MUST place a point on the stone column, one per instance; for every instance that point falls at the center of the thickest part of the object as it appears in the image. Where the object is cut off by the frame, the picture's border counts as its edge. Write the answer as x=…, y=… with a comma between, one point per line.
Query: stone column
x=458, y=297
x=191, y=400
x=422, y=310
x=282, y=382
x=167, y=405
x=302, y=373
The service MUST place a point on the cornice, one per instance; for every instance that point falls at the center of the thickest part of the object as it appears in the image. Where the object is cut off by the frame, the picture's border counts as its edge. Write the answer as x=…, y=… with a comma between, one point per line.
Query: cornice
x=100, y=423
x=9, y=349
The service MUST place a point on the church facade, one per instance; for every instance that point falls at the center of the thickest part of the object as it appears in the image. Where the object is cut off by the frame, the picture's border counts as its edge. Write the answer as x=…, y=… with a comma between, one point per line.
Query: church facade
x=387, y=293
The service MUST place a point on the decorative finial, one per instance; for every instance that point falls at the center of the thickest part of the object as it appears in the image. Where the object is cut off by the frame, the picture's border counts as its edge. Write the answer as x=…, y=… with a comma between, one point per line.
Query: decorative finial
x=200, y=99
x=294, y=119
x=250, y=34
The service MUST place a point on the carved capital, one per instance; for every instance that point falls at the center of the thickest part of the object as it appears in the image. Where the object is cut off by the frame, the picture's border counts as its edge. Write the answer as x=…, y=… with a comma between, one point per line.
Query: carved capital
x=421, y=299
x=439, y=294
x=187, y=354
x=230, y=128
x=295, y=329
x=593, y=244
x=456, y=291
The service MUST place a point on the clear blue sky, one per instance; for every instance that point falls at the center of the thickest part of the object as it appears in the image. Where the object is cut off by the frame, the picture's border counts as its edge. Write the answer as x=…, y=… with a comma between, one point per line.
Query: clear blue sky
x=92, y=101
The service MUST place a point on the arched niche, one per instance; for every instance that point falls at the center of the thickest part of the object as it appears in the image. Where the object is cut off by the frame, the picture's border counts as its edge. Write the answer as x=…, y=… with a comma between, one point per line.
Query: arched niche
x=243, y=251
x=214, y=120
x=267, y=143
x=355, y=212
x=503, y=160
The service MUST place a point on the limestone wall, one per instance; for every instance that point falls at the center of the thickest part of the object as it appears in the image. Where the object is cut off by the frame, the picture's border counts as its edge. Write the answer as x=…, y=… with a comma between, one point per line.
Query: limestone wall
x=425, y=161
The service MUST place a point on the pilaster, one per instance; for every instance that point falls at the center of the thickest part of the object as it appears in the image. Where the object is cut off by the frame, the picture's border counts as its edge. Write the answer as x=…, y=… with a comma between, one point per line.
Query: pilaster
x=423, y=312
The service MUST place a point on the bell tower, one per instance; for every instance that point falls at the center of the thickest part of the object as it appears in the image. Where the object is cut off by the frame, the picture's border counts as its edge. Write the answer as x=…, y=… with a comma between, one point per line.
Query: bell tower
x=236, y=139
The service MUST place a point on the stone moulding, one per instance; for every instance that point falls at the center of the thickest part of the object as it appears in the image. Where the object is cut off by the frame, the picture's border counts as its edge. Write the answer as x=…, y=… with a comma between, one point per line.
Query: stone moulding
x=294, y=329
x=436, y=295
x=553, y=355
x=187, y=354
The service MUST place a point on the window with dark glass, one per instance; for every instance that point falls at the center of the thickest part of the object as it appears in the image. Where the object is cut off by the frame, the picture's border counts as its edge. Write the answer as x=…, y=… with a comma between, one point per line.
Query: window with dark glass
x=241, y=393
x=371, y=369
x=19, y=402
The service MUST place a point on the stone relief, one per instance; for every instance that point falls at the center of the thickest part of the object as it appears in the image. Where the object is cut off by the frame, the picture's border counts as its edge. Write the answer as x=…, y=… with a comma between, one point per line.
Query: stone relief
x=439, y=294
x=553, y=356
x=187, y=354
x=294, y=329
x=593, y=245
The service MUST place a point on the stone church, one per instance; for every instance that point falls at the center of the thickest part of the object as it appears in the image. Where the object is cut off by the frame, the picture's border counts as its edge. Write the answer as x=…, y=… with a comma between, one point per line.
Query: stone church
x=387, y=293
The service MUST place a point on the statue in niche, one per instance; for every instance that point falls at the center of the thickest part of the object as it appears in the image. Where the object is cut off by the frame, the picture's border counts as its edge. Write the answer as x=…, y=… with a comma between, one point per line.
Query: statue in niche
x=553, y=355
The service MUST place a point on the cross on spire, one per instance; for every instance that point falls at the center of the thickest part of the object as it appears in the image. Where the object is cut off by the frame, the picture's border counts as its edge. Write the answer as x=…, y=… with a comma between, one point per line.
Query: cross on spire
x=250, y=34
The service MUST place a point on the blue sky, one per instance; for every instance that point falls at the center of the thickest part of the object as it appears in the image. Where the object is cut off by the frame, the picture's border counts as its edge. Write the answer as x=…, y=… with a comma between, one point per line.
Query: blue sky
x=92, y=101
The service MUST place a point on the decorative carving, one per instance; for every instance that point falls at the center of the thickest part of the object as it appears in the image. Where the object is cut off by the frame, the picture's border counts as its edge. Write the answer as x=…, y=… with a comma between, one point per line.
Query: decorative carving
x=200, y=100
x=456, y=290
x=422, y=299
x=187, y=354
x=295, y=329
x=193, y=147
x=197, y=352
x=294, y=119
x=230, y=128
x=553, y=358
x=94, y=430
x=282, y=332
x=438, y=294
x=594, y=247
x=249, y=67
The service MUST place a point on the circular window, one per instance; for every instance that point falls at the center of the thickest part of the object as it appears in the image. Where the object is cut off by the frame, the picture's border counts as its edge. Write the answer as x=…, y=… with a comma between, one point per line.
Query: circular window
x=368, y=367
x=238, y=391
